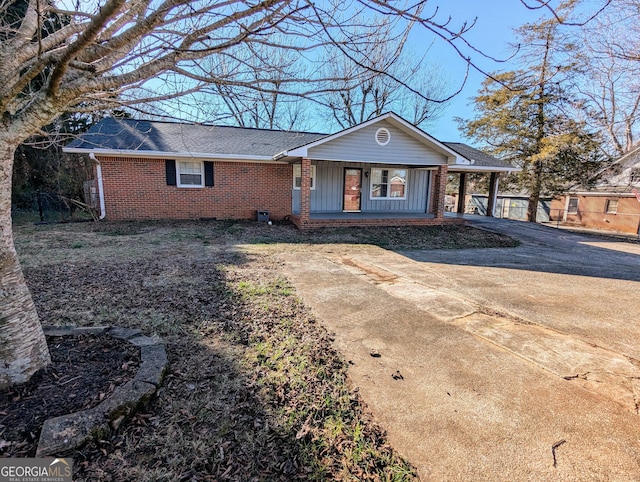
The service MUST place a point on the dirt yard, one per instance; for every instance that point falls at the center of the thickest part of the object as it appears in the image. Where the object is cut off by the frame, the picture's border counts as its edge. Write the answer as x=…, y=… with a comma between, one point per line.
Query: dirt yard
x=255, y=389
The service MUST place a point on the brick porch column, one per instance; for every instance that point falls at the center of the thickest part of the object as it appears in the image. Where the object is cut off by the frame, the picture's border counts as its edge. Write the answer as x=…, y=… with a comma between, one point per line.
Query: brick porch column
x=305, y=192
x=462, y=193
x=440, y=191
x=493, y=194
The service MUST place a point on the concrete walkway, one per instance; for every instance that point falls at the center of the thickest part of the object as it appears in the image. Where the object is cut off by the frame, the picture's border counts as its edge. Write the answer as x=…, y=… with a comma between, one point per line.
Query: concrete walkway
x=495, y=364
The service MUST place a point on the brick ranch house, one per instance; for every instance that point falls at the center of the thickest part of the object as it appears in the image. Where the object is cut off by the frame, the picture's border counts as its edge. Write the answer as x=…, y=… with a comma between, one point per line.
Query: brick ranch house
x=612, y=203
x=382, y=172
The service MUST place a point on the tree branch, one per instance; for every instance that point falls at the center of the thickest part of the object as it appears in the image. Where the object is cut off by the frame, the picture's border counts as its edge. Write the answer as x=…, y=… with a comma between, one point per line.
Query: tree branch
x=89, y=34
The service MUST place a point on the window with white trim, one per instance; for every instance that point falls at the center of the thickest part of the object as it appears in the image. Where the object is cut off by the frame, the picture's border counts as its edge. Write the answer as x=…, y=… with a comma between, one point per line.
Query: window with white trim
x=389, y=184
x=297, y=177
x=190, y=173
x=572, y=207
x=611, y=207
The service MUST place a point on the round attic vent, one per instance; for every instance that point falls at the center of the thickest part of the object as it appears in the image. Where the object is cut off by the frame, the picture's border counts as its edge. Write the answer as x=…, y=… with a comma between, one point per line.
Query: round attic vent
x=383, y=136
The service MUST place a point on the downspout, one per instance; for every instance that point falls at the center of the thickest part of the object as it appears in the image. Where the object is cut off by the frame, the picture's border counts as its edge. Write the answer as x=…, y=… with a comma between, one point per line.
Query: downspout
x=427, y=208
x=103, y=213
x=492, y=198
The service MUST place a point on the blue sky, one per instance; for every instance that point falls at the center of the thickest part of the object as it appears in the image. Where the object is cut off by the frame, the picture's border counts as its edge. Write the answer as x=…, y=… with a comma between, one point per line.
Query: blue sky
x=492, y=34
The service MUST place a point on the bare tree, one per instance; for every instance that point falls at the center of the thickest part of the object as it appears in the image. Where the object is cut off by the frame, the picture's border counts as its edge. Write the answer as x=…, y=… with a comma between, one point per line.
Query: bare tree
x=622, y=17
x=270, y=102
x=362, y=94
x=130, y=52
x=610, y=80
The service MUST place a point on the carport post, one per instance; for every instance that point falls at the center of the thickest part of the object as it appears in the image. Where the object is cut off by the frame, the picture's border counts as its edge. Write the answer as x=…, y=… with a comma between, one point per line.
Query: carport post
x=305, y=191
x=493, y=194
x=462, y=193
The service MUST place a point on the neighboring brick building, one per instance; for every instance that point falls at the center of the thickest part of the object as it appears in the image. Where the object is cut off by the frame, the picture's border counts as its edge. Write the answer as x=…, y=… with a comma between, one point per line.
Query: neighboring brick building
x=382, y=172
x=613, y=203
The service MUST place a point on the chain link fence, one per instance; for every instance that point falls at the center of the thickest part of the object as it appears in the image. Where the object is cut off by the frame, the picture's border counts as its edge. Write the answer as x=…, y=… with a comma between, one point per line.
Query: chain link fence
x=49, y=207
x=616, y=223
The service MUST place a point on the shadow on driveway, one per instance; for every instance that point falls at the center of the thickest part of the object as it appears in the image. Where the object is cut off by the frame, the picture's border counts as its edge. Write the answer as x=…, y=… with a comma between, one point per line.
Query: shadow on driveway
x=544, y=249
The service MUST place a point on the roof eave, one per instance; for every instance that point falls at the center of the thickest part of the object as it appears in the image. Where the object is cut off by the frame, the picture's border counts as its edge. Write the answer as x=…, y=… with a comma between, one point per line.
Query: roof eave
x=624, y=157
x=601, y=193
x=170, y=155
x=471, y=168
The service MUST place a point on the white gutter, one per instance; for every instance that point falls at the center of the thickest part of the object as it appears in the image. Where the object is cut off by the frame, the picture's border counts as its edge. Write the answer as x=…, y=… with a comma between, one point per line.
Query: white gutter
x=103, y=212
x=170, y=155
x=495, y=198
x=467, y=168
x=600, y=193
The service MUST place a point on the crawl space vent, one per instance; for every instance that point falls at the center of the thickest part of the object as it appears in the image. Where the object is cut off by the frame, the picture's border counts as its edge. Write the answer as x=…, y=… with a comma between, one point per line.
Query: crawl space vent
x=383, y=136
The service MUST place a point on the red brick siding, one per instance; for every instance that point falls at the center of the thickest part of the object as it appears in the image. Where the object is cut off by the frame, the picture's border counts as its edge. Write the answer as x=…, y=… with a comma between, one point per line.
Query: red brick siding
x=137, y=189
x=440, y=191
x=556, y=209
x=433, y=188
x=591, y=213
x=305, y=189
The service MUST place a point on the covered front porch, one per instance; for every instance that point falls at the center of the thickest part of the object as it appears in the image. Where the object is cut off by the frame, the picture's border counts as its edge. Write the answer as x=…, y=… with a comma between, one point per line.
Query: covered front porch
x=354, y=199
x=434, y=213
x=384, y=172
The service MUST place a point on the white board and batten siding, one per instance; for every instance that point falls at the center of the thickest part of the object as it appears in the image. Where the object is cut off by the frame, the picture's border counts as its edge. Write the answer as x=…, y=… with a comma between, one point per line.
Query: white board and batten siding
x=361, y=146
x=329, y=192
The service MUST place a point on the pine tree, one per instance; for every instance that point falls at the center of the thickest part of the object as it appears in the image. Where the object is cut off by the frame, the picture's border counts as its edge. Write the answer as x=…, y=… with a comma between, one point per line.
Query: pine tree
x=523, y=117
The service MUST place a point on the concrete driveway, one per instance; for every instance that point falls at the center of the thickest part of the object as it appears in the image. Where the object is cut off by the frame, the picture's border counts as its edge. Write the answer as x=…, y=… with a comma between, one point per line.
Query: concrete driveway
x=496, y=364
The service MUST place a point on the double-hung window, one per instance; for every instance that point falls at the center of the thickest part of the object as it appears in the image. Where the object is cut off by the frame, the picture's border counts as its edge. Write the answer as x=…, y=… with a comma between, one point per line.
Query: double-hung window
x=611, y=207
x=190, y=173
x=297, y=177
x=572, y=207
x=389, y=184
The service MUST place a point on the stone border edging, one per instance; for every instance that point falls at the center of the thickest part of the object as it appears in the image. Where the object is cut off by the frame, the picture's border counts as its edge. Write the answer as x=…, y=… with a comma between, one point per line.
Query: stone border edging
x=68, y=432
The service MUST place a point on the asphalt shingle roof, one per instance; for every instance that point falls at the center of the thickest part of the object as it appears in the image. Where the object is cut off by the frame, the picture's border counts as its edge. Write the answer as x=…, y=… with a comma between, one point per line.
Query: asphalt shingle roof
x=480, y=158
x=172, y=137
x=183, y=138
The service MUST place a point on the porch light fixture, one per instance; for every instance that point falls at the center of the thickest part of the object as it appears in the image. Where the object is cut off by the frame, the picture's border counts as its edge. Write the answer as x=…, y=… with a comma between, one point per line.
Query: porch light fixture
x=383, y=136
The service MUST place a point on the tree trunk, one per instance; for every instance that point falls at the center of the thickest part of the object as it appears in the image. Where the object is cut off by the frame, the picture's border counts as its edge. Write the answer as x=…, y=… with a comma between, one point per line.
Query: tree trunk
x=23, y=347
x=534, y=196
x=532, y=208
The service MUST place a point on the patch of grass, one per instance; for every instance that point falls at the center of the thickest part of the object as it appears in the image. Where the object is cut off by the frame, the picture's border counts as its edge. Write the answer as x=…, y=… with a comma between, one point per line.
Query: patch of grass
x=255, y=390
x=296, y=367
x=276, y=286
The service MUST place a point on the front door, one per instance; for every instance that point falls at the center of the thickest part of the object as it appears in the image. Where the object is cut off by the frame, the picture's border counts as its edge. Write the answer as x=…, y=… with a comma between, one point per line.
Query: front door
x=352, y=188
